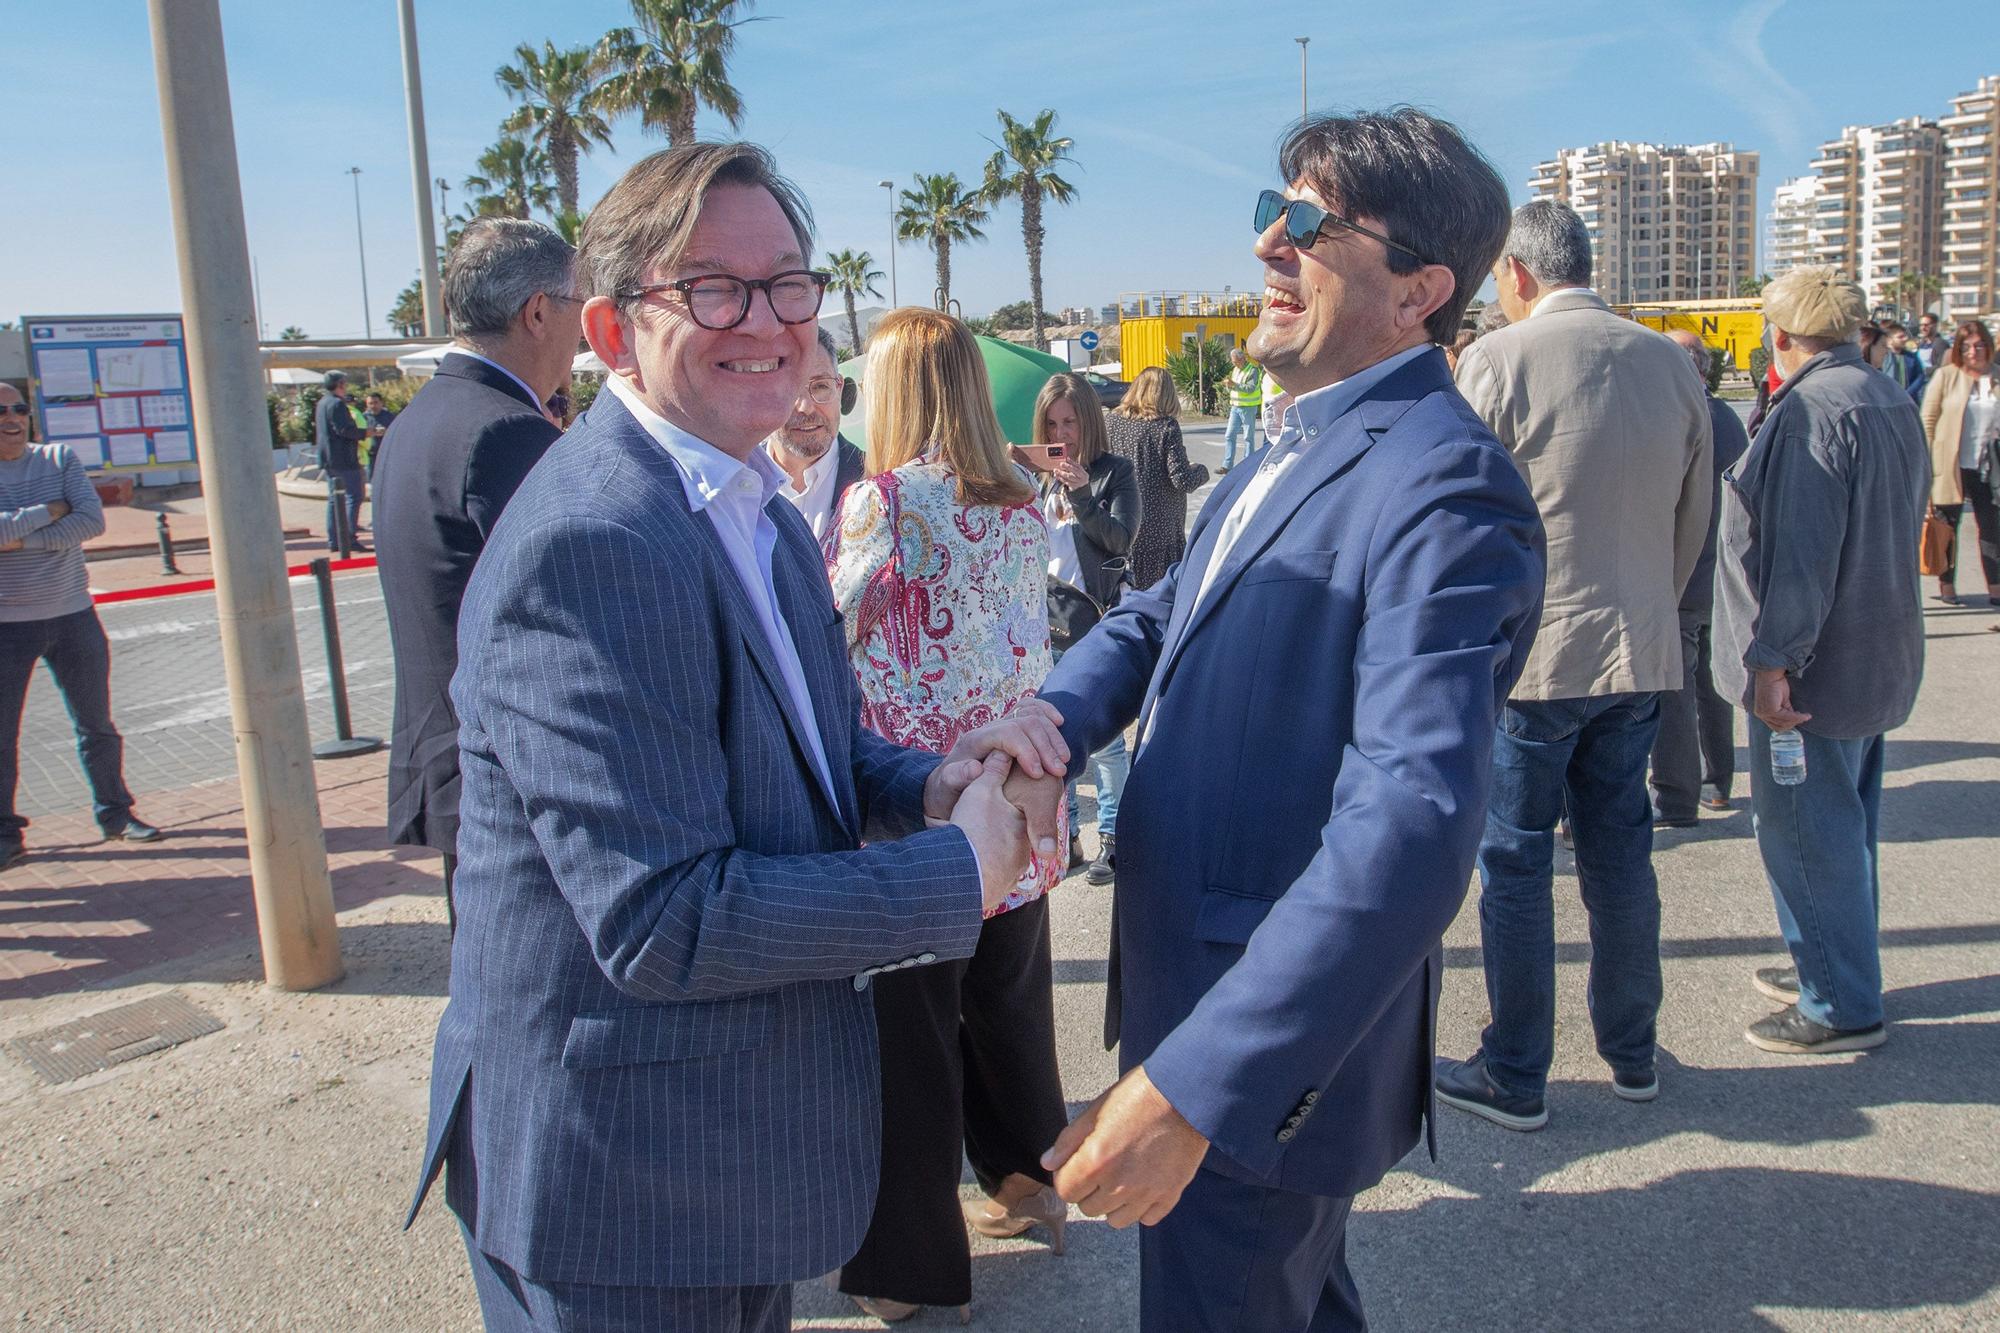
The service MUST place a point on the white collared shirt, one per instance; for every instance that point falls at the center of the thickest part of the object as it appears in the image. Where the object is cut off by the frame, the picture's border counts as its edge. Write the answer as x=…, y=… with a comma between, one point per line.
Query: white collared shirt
x=462, y=350
x=815, y=502
x=1306, y=419
x=733, y=496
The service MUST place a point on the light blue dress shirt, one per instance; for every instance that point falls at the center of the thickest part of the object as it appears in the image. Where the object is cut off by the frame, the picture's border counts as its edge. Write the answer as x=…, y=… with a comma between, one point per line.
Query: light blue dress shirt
x=733, y=495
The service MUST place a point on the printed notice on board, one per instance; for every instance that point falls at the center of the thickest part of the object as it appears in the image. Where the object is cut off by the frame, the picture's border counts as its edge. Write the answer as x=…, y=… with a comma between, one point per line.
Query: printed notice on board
x=128, y=450
x=78, y=420
x=119, y=413
x=64, y=372
x=89, y=450
x=173, y=446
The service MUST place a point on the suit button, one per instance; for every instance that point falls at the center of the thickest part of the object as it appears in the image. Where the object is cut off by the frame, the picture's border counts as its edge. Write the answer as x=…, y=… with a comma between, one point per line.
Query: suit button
x=1285, y=1134
x=926, y=959
x=1295, y=1121
x=861, y=981
x=1312, y=1096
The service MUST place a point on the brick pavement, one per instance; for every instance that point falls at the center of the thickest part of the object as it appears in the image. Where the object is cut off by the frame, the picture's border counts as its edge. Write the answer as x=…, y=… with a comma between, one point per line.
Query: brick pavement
x=80, y=913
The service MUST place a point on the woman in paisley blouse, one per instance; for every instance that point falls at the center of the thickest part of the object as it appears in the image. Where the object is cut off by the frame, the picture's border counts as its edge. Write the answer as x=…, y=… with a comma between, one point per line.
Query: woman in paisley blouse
x=938, y=565
x=1145, y=429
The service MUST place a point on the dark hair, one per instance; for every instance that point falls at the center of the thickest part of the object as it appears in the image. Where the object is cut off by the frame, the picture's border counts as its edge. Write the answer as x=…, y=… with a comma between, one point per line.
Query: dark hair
x=1419, y=178
x=1549, y=240
x=1964, y=335
x=498, y=266
x=1870, y=333
x=648, y=217
x=333, y=379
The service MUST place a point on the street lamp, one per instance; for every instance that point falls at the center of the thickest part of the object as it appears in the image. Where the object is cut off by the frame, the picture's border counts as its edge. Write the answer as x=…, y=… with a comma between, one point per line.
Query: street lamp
x=444, y=206
x=367, y=320
x=890, y=186
x=1302, y=77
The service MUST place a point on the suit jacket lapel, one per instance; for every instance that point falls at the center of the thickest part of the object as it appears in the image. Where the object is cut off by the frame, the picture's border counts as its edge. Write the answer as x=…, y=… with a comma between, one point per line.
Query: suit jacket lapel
x=804, y=601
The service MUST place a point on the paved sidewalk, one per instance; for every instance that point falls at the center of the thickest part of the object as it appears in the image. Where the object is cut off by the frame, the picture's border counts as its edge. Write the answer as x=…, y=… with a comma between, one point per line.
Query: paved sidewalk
x=258, y=1176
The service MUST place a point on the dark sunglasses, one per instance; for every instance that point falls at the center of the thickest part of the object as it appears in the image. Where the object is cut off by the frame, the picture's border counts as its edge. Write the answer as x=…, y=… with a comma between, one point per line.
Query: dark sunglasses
x=1304, y=221
x=719, y=301
x=18, y=409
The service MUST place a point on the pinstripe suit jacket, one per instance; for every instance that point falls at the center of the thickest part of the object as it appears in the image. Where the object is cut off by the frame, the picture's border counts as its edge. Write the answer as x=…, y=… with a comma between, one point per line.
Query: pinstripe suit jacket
x=657, y=1067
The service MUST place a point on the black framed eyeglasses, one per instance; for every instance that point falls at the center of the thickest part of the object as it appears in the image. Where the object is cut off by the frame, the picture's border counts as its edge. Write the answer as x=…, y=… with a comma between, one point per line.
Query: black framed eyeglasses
x=719, y=301
x=1304, y=222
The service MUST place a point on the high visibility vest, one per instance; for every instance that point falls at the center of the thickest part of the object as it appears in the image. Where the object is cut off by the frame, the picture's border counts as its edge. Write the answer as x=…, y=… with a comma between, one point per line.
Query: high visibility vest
x=1246, y=385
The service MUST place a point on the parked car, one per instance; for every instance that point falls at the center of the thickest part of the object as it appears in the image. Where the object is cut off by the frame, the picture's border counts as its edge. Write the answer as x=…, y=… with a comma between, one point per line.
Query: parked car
x=1110, y=392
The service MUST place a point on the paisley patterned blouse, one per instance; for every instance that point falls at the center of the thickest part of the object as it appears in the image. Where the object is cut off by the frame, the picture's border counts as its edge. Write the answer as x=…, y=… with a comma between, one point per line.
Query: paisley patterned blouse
x=947, y=623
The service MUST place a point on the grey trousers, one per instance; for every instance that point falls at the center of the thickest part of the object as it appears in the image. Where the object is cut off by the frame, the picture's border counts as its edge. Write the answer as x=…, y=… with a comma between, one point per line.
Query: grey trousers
x=1697, y=740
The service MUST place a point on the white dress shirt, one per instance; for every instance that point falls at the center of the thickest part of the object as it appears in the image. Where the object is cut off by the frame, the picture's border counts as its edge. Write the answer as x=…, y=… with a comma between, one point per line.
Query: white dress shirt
x=815, y=502
x=733, y=496
x=1307, y=418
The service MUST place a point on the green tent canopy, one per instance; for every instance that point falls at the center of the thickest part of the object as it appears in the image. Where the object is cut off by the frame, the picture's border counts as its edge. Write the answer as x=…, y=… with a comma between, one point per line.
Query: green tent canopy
x=1016, y=373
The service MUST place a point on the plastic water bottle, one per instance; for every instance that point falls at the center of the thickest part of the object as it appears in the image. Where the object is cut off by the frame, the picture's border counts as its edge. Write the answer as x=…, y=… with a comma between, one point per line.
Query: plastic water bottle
x=1788, y=758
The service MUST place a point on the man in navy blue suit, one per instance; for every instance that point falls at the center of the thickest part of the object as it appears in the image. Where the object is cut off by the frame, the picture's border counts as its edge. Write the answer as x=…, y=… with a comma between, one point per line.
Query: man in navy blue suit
x=656, y=1082
x=1315, y=688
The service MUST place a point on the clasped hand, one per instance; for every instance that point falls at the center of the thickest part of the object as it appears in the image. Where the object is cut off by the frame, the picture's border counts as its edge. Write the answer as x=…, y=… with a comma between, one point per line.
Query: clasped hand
x=1001, y=785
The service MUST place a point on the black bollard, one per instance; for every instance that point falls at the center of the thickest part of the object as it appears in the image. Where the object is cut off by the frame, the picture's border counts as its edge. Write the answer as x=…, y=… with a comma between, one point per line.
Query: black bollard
x=343, y=536
x=167, y=565
x=345, y=744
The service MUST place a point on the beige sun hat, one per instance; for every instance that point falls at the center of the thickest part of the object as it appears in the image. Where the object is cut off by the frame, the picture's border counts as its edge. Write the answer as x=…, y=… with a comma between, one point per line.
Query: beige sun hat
x=1815, y=302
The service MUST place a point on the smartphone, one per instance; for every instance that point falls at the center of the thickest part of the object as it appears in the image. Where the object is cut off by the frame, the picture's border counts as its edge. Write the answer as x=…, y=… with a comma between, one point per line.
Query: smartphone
x=1057, y=450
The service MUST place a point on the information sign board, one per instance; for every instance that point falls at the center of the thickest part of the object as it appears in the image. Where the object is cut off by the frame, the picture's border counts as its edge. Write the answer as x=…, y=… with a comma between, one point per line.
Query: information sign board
x=114, y=388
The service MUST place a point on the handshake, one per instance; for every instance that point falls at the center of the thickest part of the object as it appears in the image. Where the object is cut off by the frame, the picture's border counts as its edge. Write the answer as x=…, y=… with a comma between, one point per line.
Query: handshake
x=1003, y=784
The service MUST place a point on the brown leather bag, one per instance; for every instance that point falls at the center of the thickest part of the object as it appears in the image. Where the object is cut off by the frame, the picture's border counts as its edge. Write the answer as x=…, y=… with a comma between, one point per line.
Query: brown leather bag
x=1934, y=552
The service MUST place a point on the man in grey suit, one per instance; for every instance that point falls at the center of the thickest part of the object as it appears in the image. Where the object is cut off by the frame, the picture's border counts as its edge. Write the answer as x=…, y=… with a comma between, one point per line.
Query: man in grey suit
x=656, y=1082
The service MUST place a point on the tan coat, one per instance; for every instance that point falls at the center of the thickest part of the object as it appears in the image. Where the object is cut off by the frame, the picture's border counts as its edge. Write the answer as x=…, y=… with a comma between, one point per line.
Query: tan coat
x=1607, y=421
x=1944, y=416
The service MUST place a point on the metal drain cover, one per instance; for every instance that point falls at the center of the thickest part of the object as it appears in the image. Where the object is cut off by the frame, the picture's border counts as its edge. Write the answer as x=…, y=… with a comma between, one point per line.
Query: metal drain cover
x=113, y=1037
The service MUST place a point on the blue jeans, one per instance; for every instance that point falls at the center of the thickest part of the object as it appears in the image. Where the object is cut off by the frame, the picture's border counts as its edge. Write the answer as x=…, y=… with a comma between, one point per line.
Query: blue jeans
x=1111, y=765
x=1818, y=843
x=79, y=658
x=1245, y=419
x=1589, y=756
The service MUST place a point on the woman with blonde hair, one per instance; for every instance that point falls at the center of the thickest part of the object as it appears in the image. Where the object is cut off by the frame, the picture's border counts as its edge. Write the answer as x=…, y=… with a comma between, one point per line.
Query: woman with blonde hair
x=1145, y=430
x=938, y=565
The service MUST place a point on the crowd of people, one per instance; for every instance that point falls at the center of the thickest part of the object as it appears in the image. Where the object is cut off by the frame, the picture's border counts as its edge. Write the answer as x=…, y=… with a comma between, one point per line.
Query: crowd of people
x=750, y=812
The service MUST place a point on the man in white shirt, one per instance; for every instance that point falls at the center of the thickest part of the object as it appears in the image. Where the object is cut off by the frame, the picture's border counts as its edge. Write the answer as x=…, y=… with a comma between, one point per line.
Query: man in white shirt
x=819, y=463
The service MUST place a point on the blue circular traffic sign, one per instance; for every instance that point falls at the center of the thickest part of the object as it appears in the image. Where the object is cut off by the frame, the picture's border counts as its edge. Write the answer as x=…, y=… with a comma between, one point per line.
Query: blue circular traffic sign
x=1089, y=340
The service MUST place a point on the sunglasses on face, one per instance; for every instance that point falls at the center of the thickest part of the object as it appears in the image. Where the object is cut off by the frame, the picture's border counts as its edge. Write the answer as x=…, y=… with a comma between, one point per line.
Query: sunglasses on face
x=18, y=409
x=1304, y=222
x=721, y=301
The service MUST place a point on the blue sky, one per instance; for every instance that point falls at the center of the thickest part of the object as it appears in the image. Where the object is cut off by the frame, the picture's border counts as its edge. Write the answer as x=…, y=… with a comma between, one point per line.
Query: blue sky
x=1175, y=107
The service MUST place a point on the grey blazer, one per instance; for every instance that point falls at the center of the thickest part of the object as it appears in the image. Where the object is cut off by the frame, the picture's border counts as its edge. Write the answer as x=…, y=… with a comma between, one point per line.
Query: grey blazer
x=658, y=1064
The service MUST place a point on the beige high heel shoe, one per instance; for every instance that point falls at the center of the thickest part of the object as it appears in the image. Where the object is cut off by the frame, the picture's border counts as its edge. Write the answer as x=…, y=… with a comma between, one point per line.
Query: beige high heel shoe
x=1044, y=1207
x=895, y=1312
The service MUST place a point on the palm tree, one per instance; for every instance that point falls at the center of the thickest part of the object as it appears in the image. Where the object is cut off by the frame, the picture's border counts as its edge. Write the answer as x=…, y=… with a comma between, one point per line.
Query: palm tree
x=407, y=315
x=557, y=91
x=513, y=179
x=291, y=333
x=1034, y=151
x=675, y=60
x=1914, y=291
x=852, y=274
x=938, y=212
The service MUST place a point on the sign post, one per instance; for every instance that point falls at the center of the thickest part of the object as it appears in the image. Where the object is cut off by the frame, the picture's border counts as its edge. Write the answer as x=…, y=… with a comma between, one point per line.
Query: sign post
x=114, y=388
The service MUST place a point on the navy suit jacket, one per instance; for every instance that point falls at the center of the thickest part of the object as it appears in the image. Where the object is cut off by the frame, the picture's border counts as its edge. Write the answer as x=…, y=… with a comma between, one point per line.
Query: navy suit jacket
x=658, y=1063
x=448, y=465
x=1300, y=826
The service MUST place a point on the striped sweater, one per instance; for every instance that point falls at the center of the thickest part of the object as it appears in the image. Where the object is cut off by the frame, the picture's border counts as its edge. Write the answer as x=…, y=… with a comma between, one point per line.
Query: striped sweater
x=45, y=578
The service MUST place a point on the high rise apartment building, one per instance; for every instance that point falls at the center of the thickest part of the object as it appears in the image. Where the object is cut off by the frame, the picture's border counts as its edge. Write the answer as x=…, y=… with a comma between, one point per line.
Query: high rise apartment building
x=1878, y=210
x=1970, y=226
x=1788, y=241
x=1666, y=223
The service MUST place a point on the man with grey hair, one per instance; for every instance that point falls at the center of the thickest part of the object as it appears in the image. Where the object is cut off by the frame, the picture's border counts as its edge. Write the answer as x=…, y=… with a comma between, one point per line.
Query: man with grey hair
x=1694, y=757
x=338, y=436
x=1819, y=633
x=447, y=466
x=819, y=462
x=1610, y=430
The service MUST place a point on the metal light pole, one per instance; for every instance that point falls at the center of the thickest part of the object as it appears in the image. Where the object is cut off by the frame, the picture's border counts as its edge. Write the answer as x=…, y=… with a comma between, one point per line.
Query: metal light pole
x=890, y=186
x=367, y=320
x=1303, y=112
x=420, y=173
x=260, y=653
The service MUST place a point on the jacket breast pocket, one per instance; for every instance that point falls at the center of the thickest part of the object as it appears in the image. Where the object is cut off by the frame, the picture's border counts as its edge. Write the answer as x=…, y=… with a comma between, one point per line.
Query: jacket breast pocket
x=1228, y=917
x=1282, y=566
x=668, y=1032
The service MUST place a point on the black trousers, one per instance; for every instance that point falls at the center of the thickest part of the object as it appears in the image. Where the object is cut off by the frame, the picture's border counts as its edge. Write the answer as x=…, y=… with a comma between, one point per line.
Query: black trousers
x=968, y=1072
x=79, y=657
x=1985, y=518
x=1697, y=740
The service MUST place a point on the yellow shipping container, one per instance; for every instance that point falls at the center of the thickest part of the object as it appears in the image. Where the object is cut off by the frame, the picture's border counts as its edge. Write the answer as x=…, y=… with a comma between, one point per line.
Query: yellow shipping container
x=1734, y=328
x=1145, y=338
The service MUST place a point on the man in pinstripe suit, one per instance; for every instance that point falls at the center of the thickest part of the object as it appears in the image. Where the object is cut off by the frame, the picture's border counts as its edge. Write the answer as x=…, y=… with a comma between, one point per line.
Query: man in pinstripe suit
x=656, y=1080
